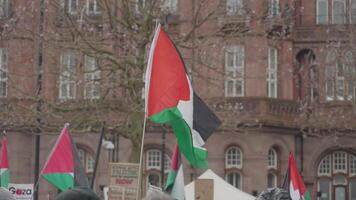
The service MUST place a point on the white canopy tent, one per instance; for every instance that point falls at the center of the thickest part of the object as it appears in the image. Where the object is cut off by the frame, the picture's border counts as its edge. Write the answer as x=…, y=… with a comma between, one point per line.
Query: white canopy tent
x=222, y=189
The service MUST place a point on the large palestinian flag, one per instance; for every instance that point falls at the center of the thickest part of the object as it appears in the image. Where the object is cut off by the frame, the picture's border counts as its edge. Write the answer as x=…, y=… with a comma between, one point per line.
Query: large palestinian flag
x=63, y=168
x=170, y=99
x=293, y=182
x=4, y=165
x=175, y=179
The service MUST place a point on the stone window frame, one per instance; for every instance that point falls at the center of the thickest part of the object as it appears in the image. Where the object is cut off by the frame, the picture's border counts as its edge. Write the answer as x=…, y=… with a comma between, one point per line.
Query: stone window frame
x=169, y=6
x=92, y=75
x=340, y=85
x=274, y=8
x=97, y=10
x=238, y=151
x=333, y=15
x=318, y=12
x=272, y=73
x=67, y=77
x=68, y=6
x=235, y=7
x=235, y=73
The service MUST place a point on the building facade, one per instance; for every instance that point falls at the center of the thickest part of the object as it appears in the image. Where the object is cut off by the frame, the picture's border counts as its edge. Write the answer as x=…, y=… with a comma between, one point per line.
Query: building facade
x=279, y=74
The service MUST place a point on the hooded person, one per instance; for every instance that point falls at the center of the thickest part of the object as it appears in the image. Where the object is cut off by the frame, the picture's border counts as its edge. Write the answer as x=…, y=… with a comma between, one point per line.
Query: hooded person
x=81, y=193
x=6, y=195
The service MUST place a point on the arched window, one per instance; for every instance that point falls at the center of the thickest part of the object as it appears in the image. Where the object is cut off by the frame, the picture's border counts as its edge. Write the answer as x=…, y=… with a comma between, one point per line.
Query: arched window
x=233, y=158
x=235, y=179
x=272, y=166
x=336, y=176
x=153, y=166
x=272, y=158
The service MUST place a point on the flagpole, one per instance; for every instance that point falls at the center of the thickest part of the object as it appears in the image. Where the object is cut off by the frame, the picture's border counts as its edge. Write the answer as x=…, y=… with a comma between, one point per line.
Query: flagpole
x=141, y=159
x=97, y=155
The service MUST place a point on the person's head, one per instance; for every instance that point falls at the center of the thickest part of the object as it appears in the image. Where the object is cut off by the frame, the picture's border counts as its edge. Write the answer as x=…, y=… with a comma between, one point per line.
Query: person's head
x=78, y=193
x=6, y=195
x=157, y=196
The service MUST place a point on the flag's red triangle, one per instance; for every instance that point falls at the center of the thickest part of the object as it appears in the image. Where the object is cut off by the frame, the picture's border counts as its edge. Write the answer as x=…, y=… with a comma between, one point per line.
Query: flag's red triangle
x=4, y=160
x=61, y=158
x=168, y=83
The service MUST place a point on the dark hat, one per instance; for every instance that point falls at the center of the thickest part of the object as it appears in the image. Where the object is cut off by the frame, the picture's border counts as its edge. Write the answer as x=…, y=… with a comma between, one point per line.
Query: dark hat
x=78, y=193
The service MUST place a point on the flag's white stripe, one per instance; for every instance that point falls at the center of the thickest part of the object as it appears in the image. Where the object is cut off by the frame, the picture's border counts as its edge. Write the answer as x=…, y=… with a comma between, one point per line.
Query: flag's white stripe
x=149, y=66
x=2, y=170
x=178, y=187
x=186, y=108
x=294, y=193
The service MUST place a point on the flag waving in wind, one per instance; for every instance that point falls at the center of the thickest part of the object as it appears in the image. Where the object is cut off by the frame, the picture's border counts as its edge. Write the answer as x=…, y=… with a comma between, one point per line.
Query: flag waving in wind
x=4, y=165
x=63, y=168
x=293, y=182
x=175, y=179
x=170, y=99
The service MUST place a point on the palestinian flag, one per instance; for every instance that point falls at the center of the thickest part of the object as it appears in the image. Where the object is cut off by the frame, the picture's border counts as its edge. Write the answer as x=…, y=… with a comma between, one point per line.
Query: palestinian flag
x=175, y=179
x=293, y=182
x=170, y=99
x=4, y=165
x=63, y=168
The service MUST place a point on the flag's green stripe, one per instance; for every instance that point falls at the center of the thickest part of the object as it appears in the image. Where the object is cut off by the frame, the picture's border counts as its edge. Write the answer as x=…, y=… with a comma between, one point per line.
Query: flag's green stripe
x=5, y=179
x=62, y=181
x=196, y=156
x=170, y=179
x=306, y=196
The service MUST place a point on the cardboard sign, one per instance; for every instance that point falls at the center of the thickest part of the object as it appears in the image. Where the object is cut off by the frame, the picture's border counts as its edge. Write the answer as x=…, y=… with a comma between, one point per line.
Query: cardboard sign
x=123, y=179
x=21, y=191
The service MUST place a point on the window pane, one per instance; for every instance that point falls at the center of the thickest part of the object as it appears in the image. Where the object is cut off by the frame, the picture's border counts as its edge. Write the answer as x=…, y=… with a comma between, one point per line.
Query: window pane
x=352, y=165
x=154, y=159
x=234, y=179
x=322, y=12
x=339, y=12
x=353, y=11
x=324, y=189
x=340, y=193
x=271, y=181
x=154, y=179
x=340, y=162
x=340, y=88
x=239, y=86
x=325, y=166
x=352, y=189
x=234, y=7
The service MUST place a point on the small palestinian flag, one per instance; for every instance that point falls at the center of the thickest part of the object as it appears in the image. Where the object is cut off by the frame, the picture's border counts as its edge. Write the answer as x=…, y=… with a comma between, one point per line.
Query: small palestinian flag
x=170, y=99
x=63, y=168
x=175, y=179
x=293, y=182
x=4, y=165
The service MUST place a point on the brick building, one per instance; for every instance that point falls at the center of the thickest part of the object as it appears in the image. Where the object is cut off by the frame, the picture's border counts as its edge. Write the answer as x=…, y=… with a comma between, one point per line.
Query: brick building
x=280, y=75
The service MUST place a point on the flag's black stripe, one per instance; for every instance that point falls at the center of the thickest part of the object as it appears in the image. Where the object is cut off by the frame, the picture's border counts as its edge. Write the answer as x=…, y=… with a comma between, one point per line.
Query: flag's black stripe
x=286, y=181
x=204, y=120
x=80, y=179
